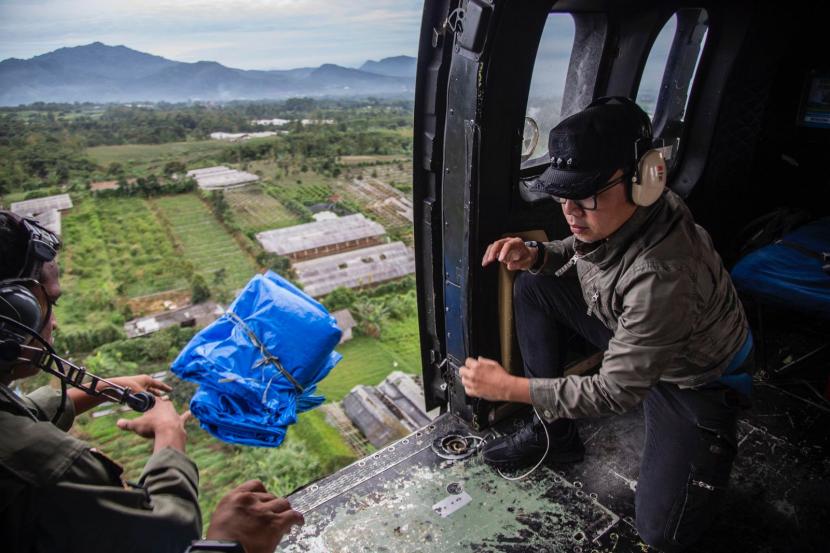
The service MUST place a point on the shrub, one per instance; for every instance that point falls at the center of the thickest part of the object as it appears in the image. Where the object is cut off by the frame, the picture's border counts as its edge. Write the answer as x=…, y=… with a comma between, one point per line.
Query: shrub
x=199, y=290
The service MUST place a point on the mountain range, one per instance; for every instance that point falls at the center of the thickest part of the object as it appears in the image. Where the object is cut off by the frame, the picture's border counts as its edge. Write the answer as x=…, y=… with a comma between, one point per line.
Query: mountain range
x=100, y=73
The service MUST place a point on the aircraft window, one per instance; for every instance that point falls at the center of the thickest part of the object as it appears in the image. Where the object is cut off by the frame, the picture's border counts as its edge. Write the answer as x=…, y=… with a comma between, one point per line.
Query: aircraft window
x=547, y=86
x=669, y=73
x=654, y=71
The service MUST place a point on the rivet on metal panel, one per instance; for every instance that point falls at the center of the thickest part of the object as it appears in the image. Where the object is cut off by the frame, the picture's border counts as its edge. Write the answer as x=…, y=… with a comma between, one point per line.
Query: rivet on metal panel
x=455, y=488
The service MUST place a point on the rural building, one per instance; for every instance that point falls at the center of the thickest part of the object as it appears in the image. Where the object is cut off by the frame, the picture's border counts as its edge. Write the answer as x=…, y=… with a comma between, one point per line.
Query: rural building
x=60, y=202
x=372, y=416
x=355, y=269
x=320, y=238
x=199, y=314
x=45, y=210
x=389, y=411
x=345, y=322
x=240, y=136
x=270, y=122
x=407, y=397
x=221, y=177
x=324, y=215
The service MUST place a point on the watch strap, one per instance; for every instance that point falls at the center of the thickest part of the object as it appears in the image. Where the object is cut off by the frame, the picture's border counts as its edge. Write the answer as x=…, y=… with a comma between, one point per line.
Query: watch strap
x=205, y=546
x=540, y=256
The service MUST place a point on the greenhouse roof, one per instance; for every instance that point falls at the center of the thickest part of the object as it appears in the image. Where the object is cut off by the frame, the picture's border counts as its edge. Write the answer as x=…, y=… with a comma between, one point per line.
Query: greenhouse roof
x=40, y=205
x=213, y=178
x=318, y=234
x=355, y=268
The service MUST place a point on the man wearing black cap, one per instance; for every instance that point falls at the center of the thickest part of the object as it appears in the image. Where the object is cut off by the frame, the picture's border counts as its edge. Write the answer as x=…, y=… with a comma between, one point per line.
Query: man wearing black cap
x=639, y=280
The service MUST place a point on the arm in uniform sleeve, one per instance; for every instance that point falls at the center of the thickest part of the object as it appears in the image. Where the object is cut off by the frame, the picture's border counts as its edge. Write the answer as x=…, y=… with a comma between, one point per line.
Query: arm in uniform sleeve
x=93, y=510
x=46, y=401
x=658, y=313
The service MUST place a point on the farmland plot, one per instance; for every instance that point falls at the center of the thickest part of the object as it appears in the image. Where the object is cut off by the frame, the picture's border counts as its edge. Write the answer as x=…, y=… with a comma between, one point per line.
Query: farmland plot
x=256, y=211
x=202, y=241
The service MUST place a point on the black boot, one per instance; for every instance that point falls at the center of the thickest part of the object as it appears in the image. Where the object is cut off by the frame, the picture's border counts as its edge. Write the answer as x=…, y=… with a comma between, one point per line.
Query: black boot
x=526, y=446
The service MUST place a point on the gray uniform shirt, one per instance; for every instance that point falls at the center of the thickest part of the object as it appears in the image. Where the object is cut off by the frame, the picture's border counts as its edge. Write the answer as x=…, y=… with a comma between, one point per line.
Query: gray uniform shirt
x=659, y=285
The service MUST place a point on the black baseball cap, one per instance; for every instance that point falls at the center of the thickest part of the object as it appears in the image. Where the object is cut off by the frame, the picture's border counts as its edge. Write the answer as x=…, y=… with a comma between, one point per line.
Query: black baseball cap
x=589, y=146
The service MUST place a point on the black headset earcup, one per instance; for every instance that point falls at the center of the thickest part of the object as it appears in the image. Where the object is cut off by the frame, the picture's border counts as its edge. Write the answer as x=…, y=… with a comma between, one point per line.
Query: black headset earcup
x=9, y=350
x=19, y=304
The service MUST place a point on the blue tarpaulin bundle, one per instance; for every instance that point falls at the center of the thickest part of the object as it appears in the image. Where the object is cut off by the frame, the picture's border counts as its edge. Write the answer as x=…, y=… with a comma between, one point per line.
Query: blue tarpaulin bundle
x=258, y=365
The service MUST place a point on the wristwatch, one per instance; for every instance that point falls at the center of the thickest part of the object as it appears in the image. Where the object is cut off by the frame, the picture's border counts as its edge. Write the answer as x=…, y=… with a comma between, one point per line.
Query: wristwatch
x=540, y=256
x=225, y=546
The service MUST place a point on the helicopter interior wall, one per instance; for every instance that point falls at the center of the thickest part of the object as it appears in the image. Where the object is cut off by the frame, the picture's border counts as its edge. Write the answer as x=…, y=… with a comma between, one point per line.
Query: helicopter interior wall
x=760, y=158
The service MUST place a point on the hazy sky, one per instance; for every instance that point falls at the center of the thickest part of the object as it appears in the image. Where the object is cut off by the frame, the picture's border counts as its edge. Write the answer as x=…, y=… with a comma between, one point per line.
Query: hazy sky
x=247, y=34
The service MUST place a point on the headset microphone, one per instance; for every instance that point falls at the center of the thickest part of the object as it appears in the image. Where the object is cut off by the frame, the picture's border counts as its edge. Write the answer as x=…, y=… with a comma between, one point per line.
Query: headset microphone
x=141, y=402
x=46, y=359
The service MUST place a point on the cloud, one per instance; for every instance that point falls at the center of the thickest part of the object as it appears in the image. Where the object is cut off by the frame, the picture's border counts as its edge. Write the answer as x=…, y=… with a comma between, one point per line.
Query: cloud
x=249, y=34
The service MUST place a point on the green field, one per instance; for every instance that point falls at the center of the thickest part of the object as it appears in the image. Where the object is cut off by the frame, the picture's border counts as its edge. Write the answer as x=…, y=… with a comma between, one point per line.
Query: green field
x=310, y=450
x=256, y=211
x=154, y=156
x=368, y=360
x=202, y=241
x=115, y=248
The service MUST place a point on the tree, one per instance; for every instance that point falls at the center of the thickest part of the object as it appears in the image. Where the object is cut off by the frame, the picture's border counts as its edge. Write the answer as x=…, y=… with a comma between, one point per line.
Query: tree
x=115, y=169
x=277, y=263
x=370, y=317
x=174, y=167
x=199, y=290
x=340, y=298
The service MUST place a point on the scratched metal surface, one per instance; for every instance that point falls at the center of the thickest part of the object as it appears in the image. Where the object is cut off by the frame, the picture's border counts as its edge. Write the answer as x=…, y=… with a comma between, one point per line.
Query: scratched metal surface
x=778, y=500
x=386, y=504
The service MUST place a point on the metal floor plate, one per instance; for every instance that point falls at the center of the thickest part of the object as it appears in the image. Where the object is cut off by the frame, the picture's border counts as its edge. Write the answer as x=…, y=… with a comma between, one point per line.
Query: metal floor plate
x=778, y=500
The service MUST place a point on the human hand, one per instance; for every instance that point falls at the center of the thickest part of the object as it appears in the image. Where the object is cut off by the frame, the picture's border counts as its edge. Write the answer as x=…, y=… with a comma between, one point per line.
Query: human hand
x=512, y=253
x=161, y=423
x=486, y=379
x=253, y=517
x=142, y=383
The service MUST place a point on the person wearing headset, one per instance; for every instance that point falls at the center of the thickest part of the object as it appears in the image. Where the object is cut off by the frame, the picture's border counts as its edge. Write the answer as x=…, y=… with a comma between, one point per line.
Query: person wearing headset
x=57, y=493
x=640, y=280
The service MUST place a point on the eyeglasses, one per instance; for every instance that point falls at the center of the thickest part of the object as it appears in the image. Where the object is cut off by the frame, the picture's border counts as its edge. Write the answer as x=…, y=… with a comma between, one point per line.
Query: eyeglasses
x=590, y=203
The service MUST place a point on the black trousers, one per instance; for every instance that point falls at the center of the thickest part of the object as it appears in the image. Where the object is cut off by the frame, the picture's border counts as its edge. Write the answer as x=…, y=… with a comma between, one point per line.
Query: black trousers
x=690, y=440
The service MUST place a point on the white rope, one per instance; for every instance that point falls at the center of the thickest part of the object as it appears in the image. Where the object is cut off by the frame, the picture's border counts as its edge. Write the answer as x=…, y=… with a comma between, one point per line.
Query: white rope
x=542, y=460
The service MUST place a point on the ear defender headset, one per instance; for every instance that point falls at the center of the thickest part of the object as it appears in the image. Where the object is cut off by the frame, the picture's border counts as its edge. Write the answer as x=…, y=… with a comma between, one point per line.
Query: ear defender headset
x=26, y=309
x=649, y=172
x=23, y=301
